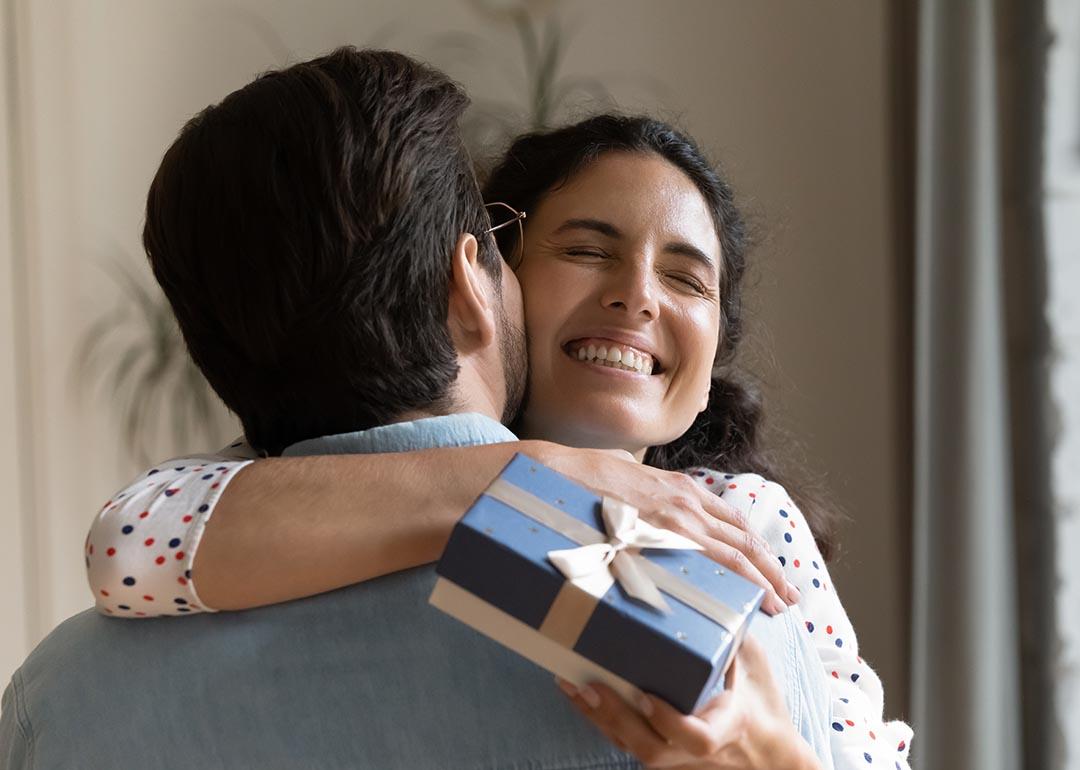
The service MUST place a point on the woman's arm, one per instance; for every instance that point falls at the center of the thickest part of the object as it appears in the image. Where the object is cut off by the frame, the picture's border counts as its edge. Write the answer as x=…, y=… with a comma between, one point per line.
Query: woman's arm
x=286, y=528
x=859, y=733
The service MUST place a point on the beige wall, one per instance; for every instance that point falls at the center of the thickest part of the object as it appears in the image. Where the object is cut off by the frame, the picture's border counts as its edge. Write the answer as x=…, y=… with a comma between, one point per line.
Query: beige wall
x=791, y=97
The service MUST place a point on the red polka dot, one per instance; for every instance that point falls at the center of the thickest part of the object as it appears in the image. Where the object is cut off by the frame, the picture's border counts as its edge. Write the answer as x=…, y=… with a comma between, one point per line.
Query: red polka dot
x=104, y=592
x=148, y=542
x=835, y=675
x=872, y=736
x=796, y=563
x=144, y=514
x=182, y=581
x=828, y=629
x=902, y=746
x=186, y=519
x=141, y=614
x=159, y=560
x=215, y=485
x=849, y=723
x=709, y=480
x=732, y=486
x=179, y=555
x=148, y=597
x=111, y=552
x=792, y=524
x=753, y=494
x=91, y=549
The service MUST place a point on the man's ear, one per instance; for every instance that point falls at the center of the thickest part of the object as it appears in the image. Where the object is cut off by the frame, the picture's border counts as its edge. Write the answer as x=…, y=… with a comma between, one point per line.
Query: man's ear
x=471, y=313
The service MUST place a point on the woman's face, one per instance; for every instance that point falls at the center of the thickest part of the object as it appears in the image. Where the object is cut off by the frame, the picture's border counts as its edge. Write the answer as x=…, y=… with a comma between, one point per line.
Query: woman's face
x=619, y=277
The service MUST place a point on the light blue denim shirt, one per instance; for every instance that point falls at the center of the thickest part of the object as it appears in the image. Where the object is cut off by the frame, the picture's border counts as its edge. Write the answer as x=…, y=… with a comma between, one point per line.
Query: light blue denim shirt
x=369, y=676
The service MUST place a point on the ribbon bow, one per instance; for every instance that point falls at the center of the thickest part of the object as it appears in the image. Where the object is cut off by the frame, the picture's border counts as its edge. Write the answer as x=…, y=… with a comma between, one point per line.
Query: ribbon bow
x=596, y=567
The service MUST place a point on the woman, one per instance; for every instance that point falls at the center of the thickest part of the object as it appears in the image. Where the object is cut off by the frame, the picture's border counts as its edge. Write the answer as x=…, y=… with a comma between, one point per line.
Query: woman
x=630, y=266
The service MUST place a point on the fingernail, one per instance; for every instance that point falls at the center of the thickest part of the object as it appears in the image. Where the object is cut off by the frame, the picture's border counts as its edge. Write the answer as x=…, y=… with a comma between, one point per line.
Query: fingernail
x=644, y=705
x=590, y=696
x=566, y=687
x=794, y=595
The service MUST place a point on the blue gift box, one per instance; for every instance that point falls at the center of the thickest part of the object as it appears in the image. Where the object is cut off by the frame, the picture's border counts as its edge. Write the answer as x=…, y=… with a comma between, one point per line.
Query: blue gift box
x=495, y=575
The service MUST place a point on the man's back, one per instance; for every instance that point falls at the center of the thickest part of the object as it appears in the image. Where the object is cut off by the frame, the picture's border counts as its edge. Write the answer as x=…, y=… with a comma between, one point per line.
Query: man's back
x=369, y=676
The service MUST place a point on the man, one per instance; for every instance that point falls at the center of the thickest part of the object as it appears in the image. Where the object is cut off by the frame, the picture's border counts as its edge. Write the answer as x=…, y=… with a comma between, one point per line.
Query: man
x=323, y=243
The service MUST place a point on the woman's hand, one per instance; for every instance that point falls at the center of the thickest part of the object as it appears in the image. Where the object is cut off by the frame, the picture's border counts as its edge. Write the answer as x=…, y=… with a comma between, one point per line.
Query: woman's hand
x=674, y=501
x=747, y=727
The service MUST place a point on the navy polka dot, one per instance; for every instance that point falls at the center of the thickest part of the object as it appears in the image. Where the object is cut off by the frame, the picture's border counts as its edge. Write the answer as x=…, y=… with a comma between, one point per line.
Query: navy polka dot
x=208, y=476
x=178, y=600
x=783, y=513
x=151, y=473
x=817, y=583
x=180, y=468
x=839, y=642
x=127, y=529
x=187, y=573
x=838, y=727
x=204, y=508
x=868, y=758
x=174, y=542
x=854, y=677
x=783, y=561
x=815, y=565
x=122, y=607
x=809, y=626
x=129, y=581
x=787, y=537
x=182, y=609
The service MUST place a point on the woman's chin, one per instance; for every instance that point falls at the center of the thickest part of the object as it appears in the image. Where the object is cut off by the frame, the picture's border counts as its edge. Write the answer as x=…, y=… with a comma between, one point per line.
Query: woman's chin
x=586, y=431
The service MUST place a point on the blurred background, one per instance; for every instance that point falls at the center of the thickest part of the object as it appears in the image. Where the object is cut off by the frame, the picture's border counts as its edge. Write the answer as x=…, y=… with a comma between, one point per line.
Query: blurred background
x=912, y=172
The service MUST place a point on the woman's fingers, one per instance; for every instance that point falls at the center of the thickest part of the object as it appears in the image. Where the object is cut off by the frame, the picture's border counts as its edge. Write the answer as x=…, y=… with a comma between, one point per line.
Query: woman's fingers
x=674, y=501
x=728, y=547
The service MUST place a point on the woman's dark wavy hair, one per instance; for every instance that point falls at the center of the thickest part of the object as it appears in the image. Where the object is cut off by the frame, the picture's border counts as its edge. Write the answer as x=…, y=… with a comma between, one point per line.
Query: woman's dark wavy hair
x=727, y=434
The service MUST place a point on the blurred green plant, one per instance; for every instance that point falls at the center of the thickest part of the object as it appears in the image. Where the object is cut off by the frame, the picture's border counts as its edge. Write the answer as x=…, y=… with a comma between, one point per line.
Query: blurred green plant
x=134, y=356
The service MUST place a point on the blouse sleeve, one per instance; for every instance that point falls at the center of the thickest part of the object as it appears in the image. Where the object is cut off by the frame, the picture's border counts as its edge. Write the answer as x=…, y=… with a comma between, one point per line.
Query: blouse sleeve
x=142, y=544
x=860, y=736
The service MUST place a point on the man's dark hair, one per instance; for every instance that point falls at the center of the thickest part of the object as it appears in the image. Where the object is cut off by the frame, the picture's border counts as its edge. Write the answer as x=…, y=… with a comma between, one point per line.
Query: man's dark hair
x=302, y=230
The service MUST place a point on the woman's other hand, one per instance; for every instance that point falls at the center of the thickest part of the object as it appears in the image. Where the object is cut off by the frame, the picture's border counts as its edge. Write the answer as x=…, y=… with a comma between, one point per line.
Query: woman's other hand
x=674, y=501
x=747, y=727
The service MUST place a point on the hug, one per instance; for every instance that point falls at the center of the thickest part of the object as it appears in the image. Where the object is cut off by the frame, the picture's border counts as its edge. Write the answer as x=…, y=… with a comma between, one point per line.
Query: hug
x=390, y=333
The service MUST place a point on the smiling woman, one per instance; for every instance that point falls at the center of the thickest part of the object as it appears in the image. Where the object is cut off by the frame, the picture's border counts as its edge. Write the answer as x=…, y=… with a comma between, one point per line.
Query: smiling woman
x=621, y=289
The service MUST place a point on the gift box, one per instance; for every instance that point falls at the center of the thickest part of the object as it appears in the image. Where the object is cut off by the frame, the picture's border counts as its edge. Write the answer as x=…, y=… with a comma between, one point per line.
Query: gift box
x=579, y=585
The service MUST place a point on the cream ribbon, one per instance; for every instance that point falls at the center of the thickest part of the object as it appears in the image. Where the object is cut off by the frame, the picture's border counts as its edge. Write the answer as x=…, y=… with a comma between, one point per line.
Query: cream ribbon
x=612, y=558
x=596, y=584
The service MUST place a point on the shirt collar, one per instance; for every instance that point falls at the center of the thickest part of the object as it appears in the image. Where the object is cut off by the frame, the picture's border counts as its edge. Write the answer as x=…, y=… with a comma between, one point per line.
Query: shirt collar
x=469, y=429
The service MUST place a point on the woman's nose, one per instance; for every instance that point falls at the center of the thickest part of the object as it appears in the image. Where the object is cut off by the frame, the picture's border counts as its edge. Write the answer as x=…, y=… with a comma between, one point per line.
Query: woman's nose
x=633, y=292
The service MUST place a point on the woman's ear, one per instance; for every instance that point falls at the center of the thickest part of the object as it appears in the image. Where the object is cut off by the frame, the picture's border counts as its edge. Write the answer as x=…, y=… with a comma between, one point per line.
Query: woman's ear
x=705, y=398
x=471, y=315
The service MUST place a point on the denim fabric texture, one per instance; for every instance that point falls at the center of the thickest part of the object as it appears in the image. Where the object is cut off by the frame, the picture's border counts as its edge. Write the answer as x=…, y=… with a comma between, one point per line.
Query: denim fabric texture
x=369, y=676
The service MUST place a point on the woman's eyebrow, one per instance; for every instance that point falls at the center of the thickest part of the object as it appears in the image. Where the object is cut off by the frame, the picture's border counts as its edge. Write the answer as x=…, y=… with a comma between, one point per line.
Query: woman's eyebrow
x=596, y=225
x=687, y=250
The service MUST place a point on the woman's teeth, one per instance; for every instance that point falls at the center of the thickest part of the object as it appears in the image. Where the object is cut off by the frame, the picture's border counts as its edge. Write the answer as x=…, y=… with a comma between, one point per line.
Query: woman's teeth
x=616, y=358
